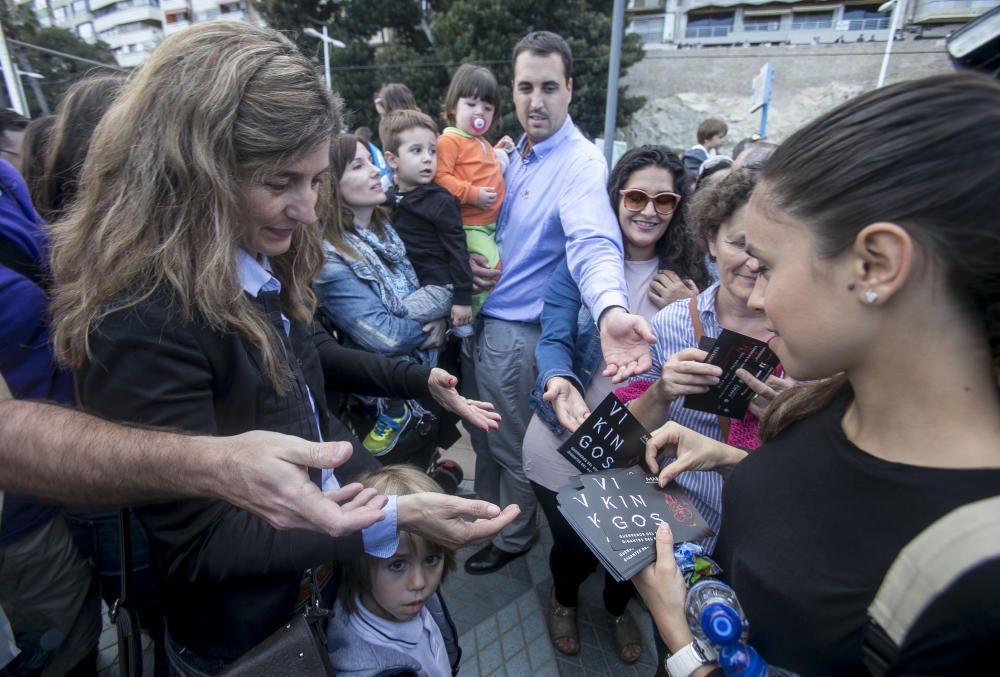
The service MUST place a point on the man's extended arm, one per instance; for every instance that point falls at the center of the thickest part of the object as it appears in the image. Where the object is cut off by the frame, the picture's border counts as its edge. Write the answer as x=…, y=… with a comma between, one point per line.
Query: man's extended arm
x=66, y=456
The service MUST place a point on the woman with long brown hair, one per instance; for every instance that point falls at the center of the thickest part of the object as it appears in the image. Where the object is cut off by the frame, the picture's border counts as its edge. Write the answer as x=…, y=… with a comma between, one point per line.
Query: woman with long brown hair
x=183, y=299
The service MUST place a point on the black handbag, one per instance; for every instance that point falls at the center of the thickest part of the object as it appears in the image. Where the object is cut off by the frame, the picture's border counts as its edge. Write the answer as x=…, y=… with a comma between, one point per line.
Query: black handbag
x=297, y=648
x=123, y=613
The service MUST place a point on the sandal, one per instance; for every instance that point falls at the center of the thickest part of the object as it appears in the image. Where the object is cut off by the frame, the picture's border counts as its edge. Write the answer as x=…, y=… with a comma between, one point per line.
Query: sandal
x=628, y=641
x=562, y=627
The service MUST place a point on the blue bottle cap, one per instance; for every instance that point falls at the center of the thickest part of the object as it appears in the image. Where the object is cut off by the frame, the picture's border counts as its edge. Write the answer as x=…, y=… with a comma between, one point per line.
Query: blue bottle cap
x=721, y=624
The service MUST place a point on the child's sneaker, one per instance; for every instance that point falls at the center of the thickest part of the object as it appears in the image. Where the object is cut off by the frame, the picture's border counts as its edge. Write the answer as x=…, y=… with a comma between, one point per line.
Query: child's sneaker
x=386, y=432
x=462, y=331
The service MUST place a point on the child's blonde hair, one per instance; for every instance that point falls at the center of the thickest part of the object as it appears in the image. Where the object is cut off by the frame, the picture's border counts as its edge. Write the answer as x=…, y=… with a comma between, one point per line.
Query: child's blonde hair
x=397, y=480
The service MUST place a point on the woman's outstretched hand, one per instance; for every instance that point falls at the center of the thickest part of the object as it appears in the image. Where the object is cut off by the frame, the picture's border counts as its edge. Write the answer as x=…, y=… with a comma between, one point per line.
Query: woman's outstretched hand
x=444, y=390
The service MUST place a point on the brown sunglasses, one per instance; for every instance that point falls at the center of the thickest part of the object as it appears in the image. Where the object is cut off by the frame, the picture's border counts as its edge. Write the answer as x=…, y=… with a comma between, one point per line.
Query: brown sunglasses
x=635, y=200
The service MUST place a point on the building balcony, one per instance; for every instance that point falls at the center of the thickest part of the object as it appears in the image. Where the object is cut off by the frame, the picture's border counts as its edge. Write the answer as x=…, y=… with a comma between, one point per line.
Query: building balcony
x=133, y=37
x=169, y=6
x=171, y=28
x=949, y=11
x=145, y=13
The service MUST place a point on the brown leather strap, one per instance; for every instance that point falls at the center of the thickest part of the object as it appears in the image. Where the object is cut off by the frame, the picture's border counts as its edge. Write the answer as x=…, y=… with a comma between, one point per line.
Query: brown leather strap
x=699, y=332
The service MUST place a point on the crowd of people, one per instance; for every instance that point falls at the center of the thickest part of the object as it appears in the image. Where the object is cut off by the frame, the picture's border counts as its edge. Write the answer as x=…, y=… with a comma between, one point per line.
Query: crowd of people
x=257, y=331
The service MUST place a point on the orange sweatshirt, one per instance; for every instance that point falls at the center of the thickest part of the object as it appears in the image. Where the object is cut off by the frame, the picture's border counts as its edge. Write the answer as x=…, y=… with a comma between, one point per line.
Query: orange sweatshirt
x=464, y=164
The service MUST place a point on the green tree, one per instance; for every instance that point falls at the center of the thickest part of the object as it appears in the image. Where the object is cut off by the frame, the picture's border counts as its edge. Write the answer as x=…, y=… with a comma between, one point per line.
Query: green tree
x=58, y=72
x=423, y=50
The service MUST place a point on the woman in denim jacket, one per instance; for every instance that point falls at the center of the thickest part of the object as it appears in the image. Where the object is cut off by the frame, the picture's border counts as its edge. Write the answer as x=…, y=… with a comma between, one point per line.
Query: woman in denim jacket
x=367, y=287
x=662, y=264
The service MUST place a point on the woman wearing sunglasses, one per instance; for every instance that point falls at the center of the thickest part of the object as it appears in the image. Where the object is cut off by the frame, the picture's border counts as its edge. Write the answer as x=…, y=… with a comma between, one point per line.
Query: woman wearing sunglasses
x=662, y=263
x=719, y=215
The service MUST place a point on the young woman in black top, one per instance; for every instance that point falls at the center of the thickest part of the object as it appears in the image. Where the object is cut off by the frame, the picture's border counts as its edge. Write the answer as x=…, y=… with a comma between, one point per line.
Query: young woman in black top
x=875, y=235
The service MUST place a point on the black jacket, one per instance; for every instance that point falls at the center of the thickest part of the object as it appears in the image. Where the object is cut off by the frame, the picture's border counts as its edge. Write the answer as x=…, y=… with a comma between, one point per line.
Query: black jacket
x=228, y=578
x=428, y=220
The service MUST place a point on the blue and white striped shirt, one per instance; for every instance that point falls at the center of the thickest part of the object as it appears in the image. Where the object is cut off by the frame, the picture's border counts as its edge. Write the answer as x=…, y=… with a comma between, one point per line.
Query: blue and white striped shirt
x=674, y=332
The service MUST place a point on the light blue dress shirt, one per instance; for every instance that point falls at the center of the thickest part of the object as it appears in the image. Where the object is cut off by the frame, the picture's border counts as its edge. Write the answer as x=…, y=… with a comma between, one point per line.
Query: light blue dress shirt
x=382, y=538
x=557, y=205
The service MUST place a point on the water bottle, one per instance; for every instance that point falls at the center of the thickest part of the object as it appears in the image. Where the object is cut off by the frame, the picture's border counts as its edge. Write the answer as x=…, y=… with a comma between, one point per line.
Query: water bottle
x=714, y=613
x=742, y=660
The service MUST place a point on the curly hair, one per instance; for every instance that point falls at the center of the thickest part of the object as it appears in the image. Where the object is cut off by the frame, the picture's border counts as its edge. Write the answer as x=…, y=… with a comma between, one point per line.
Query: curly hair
x=713, y=204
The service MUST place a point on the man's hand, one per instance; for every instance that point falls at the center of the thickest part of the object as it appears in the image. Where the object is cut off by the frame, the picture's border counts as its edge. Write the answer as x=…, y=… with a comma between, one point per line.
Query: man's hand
x=567, y=402
x=625, y=340
x=486, y=197
x=440, y=518
x=483, y=277
x=265, y=473
x=444, y=390
x=436, y=331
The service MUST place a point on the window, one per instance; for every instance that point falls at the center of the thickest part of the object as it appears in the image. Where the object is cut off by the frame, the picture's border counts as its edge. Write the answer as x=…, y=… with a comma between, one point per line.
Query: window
x=812, y=20
x=79, y=7
x=865, y=19
x=648, y=30
x=709, y=25
x=645, y=4
x=761, y=23
x=86, y=30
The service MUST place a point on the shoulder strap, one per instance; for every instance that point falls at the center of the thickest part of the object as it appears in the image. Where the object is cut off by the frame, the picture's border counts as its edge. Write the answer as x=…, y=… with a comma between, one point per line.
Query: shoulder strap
x=699, y=332
x=927, y=566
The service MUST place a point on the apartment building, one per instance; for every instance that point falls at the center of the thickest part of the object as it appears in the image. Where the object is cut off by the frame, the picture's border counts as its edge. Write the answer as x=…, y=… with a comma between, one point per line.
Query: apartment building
x=706, y=23
x=134, y=27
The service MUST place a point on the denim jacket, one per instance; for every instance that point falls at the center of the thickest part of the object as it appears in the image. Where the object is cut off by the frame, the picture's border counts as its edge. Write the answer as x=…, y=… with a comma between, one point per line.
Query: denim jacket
x=346, y=294
x=569, y=346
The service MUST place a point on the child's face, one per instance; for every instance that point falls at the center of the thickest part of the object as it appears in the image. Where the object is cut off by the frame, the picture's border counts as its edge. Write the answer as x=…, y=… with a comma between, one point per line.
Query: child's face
x=402, y=583
x=473, y=115
x=416, y=160
x=715, y=141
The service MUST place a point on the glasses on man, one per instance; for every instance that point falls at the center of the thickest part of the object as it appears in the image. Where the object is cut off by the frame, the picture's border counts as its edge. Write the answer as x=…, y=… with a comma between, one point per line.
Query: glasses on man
x=635, y=200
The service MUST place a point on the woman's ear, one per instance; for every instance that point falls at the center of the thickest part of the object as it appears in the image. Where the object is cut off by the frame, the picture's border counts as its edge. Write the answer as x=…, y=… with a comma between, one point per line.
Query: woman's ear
x=883, y=261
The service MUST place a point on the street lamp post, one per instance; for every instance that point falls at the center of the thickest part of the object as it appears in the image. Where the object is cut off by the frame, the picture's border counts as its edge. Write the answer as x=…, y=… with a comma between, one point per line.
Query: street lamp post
x=327, y=43
x=898, y=7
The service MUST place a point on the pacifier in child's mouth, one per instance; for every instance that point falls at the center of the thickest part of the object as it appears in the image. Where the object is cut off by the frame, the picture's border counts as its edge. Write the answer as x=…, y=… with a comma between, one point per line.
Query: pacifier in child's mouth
x=478, y=124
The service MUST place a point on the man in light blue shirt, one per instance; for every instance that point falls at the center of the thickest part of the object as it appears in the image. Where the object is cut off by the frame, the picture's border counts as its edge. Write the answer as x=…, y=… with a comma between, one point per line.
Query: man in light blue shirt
x=556, y=205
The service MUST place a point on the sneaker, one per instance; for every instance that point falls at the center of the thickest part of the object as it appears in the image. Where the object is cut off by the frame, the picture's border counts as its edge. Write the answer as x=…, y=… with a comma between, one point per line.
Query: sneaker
x=386, y=432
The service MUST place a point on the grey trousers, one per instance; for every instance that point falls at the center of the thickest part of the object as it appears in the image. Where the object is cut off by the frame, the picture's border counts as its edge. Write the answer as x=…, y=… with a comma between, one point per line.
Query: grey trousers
x=505, y=373
x=51, y=597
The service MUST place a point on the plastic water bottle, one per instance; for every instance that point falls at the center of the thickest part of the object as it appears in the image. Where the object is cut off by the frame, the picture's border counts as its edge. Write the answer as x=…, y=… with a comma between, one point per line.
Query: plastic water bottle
x=714, y=613
x=742, y=660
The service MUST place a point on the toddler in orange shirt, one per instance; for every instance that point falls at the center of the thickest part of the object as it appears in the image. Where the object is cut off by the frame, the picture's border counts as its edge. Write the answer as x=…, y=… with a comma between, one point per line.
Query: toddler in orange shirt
x=468, y=166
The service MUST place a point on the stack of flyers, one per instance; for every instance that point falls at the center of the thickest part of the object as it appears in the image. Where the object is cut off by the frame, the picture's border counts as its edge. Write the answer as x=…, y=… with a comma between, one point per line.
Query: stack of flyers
x=616, y=512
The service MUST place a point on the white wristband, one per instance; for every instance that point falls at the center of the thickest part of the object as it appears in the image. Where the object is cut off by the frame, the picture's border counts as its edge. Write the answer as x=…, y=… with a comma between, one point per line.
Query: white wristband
x=691, y=657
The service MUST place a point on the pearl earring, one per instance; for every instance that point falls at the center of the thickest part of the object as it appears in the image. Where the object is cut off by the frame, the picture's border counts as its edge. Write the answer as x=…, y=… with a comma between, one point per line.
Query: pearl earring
x=870, y=296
